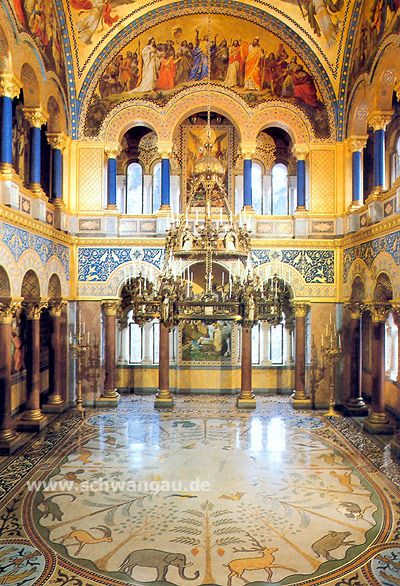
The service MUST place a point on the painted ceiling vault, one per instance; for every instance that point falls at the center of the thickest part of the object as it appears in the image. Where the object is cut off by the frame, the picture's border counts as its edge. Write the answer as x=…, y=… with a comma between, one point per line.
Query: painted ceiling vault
x=324, y=43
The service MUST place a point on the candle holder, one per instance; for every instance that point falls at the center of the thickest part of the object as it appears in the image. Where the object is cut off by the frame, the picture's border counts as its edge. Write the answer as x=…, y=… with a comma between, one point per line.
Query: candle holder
x=331, y=349
x=317, y=372
x=79, y=344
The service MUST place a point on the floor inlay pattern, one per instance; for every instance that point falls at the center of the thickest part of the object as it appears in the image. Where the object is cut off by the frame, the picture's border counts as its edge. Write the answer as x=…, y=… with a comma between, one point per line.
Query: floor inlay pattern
x=200, y=494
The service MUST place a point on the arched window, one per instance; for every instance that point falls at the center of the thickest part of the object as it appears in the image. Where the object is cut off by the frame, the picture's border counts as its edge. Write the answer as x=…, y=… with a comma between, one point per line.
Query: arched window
x=280, y=190
x=134, y=189
x=156, y=199
x=396, y=160
x=257, y=187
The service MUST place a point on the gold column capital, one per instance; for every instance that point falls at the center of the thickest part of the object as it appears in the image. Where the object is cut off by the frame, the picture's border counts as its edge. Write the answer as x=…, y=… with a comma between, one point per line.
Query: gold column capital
x=112, y=150
x=110, y=306
x=35, y=116
x=379, y=119
x=56, y=306
x=355, y=309
x=356, y=143
x=300, y=151
x=10, y=86
x=165, y=149
x=301, y=308
x=34, y=309
x=7, y=310
x=57, y=140
x=248, y=150
x=379, y=311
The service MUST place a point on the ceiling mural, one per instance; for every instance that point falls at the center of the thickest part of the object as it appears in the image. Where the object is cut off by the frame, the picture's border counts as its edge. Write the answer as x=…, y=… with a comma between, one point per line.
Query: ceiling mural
x=172, y=56
x=95, y=23
x=379, y=19
x=38, y=18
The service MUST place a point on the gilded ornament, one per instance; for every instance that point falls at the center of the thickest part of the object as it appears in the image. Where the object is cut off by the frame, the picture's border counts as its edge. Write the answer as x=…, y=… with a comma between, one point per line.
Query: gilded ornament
x=56, y=307
x=379, y=120
x=301, y=309
x=57, y=140
x=36, y=117
x=34, y=309
x=10, y=86
x=110, y=307
x=112, y=150
x=7, y=311
x=300, y=151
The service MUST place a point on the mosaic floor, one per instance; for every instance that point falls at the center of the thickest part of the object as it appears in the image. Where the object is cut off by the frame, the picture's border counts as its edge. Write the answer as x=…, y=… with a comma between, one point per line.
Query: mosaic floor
x=201, y=494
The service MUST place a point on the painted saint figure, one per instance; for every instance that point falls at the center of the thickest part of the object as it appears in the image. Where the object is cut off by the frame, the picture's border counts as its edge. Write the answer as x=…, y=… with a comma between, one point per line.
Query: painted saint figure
x=149, y=67
x=252, y=73
x=200, y=67
x=234, y=73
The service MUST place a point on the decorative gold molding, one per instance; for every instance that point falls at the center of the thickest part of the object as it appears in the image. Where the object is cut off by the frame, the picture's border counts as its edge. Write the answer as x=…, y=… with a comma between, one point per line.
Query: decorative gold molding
x=300, y=151
x=110, y=306
x=35, y=116
x=56, y=307
x=165, y=149
x=57, y=140
x=7, y=311
x=355, y=309
x=301, y=308
x=10, y=86
x=356, y=143
x=379, y=311
x=112, y=150
x=378, y=120
x=34, y=309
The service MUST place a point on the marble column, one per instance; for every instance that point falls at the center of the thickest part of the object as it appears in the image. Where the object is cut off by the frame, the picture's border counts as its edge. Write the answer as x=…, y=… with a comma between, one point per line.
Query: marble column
x=123, y=343
x=378, y=122
x=165, y=181
x=265, y=333
x=164, y=397
x=33, y=419
x=377, y=421
x=147, y=332
x=299, y=399
x=247, y=182
x=9, y=440
x=9, y=88
x=355, y=405
x=301, y=152
x=57, y=141
x=289, y=329
x=246, y=399
x=109, y=396
x=36, y=118
x=55, y=402
x=112, y=152
x=356, y=146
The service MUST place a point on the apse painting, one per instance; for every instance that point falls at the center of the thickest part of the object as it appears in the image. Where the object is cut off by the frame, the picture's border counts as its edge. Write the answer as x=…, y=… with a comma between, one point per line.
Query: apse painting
x=172, y=56
x=206, y=342
x=379, y=18
x=39, y=19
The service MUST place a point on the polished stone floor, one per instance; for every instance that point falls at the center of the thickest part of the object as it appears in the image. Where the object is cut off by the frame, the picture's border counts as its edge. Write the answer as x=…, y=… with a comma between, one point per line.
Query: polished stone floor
x=200, y=494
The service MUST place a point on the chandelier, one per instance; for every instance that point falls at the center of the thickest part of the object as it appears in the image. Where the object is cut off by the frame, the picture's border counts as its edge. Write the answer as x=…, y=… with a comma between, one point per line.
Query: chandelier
x=207, y=235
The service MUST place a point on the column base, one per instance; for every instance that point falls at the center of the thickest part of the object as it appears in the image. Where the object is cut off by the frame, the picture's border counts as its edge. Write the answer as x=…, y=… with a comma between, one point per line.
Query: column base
x=6, y=169
x=246, y=401
x=31, y=424
x=300, y=210
x=164, y=209
x=109, y=398
x=395, y=447
x=355, y=205
x=355, y=408
x=59, y=407
x=111, y=206
x=300, y=403
x=163, y=400
x=378, y=424
x=11, y=443
x=36, y=188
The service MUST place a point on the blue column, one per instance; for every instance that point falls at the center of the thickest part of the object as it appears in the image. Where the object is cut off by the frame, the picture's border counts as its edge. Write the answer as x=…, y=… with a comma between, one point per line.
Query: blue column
x=165, y=182
x=112, y=183
x=356, y=177
x=301, y=184
x=34, y=157
x=247, y=186
x=6, y=132
x=57, y=174
x=379, y=157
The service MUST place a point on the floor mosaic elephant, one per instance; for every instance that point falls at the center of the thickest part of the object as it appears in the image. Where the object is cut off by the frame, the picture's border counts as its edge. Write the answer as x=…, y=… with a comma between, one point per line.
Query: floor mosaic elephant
x=161, y=560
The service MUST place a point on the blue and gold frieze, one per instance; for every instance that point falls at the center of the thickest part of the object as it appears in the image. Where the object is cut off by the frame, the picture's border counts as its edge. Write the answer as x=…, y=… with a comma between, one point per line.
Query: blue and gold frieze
x=97, y=264
x=19, y=241
x=368, y=251
x=315, y=265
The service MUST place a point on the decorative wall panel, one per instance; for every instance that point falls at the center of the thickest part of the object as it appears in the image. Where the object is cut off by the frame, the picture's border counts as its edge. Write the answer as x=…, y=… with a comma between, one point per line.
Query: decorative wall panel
x=323, y=181
x=91, y=172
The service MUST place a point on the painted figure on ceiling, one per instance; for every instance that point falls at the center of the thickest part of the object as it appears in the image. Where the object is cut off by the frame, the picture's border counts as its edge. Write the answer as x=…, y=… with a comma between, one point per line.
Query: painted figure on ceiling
x=253, y=54
x=235, y=71
x=96, y=17
x=199, y=53
x=148, y=67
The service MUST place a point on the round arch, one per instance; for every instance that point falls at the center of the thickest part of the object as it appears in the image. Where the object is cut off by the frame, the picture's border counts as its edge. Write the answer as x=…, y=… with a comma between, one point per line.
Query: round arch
x=30, y=86
x=5, y=287
x=30, y=287
x=358, y=110
x=54, y=287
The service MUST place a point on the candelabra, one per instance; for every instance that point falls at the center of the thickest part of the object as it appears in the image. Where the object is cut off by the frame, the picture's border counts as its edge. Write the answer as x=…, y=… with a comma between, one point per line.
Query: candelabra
x=79, y=344
x=331, y=349
x=316, y=372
